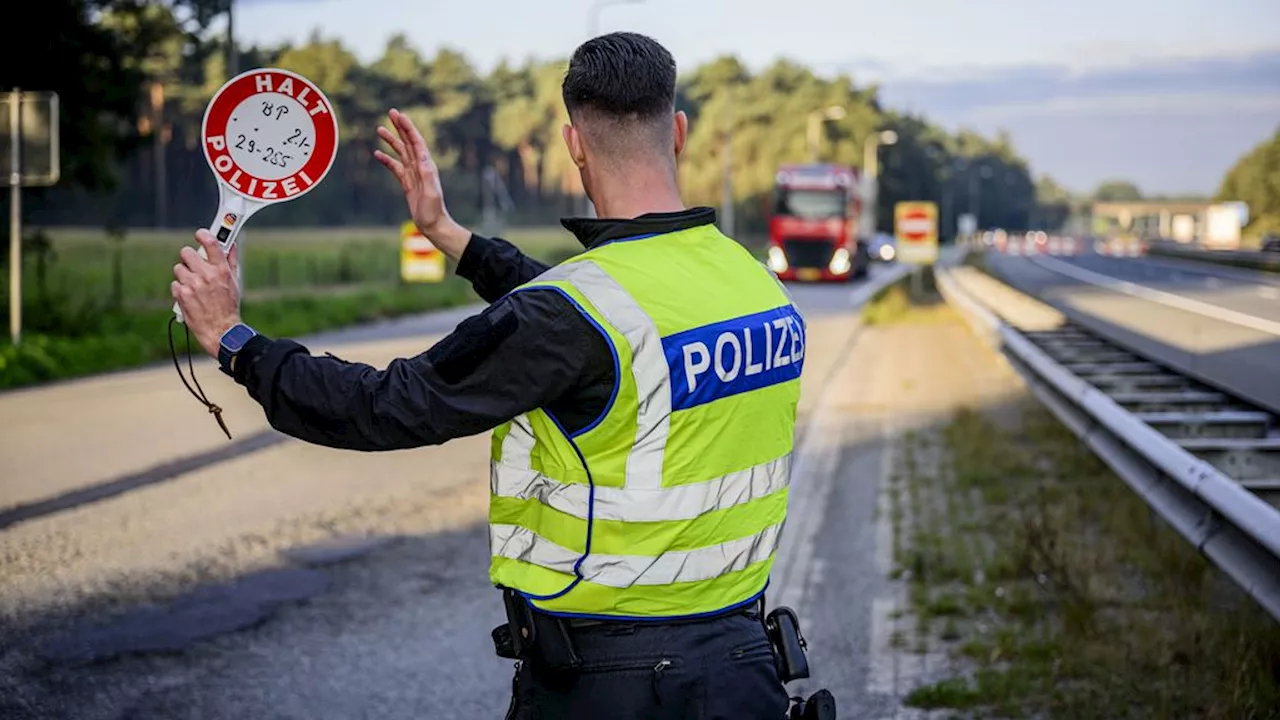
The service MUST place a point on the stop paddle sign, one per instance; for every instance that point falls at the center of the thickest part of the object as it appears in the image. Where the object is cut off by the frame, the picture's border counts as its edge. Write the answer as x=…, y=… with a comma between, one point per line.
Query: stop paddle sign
x=269, y=136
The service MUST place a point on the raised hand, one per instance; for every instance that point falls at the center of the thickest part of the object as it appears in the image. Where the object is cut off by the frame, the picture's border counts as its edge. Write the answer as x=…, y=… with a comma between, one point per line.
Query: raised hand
x=420, y=180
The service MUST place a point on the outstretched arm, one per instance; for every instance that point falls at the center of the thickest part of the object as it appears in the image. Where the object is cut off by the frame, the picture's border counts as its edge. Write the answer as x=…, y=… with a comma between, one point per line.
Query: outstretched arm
x=519, y=354
x=523, y=352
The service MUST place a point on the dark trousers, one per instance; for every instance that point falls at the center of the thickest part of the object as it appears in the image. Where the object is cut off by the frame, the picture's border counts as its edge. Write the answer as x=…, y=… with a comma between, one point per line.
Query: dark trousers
x=716, y=669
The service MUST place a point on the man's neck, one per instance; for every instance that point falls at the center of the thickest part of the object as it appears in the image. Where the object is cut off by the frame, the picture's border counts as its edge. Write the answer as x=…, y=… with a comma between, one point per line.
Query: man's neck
x=636, y=194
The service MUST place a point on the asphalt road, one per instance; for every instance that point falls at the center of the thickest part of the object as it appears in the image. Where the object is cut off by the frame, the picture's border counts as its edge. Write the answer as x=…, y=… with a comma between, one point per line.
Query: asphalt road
x=1246, y=291
x=1220, y=325
x=283, y=580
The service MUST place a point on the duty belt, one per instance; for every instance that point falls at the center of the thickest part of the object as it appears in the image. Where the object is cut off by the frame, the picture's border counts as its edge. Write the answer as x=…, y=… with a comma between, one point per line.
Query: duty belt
x=531, y=634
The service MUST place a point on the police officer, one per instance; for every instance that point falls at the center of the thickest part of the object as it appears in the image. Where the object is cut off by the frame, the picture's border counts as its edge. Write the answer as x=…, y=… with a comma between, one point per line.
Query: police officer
x=642, y=398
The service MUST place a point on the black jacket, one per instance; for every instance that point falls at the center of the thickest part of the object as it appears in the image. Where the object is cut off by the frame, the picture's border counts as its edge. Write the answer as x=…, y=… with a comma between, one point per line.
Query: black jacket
x=525, y=351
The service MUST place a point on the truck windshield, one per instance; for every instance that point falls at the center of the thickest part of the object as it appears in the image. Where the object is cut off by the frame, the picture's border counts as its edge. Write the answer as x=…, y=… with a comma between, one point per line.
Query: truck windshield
x=809, y=204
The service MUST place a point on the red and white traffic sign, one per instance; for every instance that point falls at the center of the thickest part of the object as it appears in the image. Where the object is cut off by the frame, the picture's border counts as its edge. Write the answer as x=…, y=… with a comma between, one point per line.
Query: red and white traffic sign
x=269, y=135
x=916, y=225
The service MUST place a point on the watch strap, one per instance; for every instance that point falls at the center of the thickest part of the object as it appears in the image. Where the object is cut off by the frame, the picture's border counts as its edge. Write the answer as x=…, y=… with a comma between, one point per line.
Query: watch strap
x=225, y=354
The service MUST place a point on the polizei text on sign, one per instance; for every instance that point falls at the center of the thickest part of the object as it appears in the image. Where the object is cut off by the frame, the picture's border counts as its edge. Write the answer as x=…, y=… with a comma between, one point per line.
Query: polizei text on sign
x=270, y=135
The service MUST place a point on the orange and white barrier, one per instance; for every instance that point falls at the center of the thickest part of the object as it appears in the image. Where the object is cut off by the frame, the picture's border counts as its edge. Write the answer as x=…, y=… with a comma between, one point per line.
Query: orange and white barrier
x=1037, y=243
x=1132, y=248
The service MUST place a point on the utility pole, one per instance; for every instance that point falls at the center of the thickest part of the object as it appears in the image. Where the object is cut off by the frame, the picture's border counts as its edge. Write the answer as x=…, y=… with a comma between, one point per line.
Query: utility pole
x=232, y=60
x=946, y=221
x=726, y=201
x=15, y=216
x=814, y=129
x=158, y=149
x=41, y=109
x=975, y=191
x=870, y=178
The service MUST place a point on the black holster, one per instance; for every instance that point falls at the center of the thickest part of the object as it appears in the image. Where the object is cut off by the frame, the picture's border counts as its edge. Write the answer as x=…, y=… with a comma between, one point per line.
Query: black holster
x=534, y=636
x=820, y=706
x=783, y=629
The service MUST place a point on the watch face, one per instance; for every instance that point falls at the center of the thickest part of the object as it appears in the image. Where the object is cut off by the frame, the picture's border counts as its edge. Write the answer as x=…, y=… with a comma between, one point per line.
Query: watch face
x=236, y=337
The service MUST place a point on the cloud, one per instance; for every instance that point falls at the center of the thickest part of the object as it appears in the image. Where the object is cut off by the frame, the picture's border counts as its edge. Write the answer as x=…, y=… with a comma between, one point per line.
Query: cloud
x=1171, y=124
x=1155, y=107
x=959, y=90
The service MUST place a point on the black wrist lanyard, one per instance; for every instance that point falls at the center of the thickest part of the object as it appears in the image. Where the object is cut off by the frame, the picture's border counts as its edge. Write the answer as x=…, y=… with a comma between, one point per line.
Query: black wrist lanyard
x=213, y=409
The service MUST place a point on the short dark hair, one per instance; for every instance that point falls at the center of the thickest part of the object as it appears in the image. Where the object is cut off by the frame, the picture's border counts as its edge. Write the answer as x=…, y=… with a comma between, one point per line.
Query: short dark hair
x=621, y=76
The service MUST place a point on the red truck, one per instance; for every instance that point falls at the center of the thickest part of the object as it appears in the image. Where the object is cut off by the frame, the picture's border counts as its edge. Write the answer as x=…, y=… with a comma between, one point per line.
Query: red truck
x=813, y=226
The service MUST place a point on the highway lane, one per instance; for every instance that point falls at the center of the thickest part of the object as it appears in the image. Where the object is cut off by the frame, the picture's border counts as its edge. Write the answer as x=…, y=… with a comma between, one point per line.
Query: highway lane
x=137, y=427
x=137, y=423
x=1245, y=291
x=1222, y=328
x=219, y=592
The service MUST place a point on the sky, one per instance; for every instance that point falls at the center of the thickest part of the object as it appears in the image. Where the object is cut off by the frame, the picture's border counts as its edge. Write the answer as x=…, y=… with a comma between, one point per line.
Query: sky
x=1166, y=93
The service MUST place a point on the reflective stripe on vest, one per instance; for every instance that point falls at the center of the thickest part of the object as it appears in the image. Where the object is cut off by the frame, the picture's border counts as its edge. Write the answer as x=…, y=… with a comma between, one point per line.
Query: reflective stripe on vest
x=649, y=368
x=656, y=534
x=622, y=571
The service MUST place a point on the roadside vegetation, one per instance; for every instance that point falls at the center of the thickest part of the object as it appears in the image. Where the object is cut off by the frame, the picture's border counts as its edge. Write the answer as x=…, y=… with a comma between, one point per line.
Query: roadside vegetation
x=1061, y=592
x=907, y=300
x=1048, y=587
x=94, y=302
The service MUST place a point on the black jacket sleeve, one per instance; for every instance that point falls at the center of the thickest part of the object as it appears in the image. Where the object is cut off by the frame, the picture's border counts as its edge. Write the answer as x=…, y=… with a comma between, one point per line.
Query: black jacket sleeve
x=495, y=267
x=529, y=350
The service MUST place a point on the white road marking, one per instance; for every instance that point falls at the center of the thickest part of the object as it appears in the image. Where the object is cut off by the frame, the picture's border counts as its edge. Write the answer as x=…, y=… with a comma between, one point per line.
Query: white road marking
x=812, y=477
x=811, y=480
x=881, y=667
x=1159, y=296
x=1269, y=293
x=889, y=625
x=884, y=510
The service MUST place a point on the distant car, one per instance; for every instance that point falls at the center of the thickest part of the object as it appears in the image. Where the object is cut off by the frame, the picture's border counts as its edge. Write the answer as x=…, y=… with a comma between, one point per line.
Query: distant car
x=1271, y=243
x=882, y=247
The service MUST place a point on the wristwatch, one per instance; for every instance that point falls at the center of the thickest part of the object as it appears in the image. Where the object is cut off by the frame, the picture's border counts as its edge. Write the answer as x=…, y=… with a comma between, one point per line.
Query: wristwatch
x=232, y=342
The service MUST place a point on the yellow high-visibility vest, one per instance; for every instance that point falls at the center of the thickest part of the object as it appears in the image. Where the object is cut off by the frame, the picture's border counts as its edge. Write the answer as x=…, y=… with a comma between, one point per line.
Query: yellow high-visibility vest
x=672, y=502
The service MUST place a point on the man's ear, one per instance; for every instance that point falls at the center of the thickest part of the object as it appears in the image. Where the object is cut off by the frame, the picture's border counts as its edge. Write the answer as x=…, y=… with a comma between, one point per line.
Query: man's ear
x=682, y=131
x=573, y=141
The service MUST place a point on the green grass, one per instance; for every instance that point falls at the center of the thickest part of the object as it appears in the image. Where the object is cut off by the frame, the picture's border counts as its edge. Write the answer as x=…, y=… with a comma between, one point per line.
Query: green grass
x=94, y=304
x=84, y=260
x=906, y=302
x=1086, y=599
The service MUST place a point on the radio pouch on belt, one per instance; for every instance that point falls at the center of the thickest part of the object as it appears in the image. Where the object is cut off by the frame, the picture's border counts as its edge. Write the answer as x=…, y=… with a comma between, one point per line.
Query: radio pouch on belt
x=783, y=629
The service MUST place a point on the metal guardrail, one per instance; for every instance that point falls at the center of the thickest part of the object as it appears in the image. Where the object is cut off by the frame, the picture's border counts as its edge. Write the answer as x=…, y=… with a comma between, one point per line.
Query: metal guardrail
x=1251, y=259
x=1237, y=530
x=1220, y=347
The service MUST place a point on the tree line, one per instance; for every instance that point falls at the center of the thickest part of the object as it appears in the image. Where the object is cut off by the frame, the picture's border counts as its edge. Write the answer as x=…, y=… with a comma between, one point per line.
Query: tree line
x=134, y=78
x=1255, y=179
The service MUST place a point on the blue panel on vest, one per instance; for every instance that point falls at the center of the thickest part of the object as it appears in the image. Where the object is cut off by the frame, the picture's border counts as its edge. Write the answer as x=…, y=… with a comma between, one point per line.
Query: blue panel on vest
x=734, y=356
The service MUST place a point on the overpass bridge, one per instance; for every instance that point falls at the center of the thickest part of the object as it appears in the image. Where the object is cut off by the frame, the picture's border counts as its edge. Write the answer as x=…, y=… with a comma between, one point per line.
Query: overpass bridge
x=1149, y=219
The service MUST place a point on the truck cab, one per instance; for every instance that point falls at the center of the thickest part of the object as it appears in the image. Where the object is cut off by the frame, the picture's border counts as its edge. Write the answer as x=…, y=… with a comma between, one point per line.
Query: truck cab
x=813, y=224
